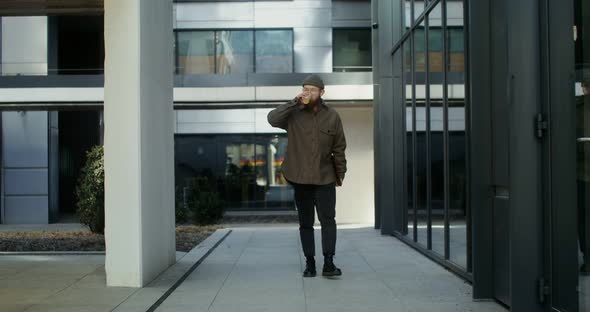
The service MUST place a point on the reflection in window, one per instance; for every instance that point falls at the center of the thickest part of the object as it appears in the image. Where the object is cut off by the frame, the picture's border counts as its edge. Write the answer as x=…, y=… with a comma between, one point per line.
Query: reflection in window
x=246, y=170
x=408, y=99
x=351, y=50
x=420, y=49
x=437, y=140
x=234, y=52
x=435, y=130
x=457, y=148
x=418, y=8
x=274, y=51
x=435, y=48
x=456, y=49
x=196, y=52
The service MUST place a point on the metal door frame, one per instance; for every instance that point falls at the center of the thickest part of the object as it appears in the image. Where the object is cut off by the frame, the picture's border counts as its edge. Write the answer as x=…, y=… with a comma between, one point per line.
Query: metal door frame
x=523, y=89
x=559, y=151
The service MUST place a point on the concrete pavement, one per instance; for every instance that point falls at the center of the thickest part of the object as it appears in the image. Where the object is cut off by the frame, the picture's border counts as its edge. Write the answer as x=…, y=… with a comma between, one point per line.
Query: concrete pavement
x=252, y=269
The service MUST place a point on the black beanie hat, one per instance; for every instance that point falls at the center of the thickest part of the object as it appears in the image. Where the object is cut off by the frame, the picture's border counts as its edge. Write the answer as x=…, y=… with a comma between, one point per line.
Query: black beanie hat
x=314, y=80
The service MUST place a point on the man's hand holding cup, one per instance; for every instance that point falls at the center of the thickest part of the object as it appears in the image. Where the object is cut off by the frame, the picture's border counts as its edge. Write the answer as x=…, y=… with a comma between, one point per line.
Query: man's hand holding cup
x=304, y=98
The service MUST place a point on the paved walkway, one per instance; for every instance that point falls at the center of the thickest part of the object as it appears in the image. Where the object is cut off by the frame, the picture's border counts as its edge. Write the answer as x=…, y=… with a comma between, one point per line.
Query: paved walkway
x=253, y=269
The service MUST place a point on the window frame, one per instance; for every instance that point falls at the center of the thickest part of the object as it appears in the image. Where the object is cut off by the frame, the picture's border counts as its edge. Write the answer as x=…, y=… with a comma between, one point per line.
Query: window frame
x=352, y=28
x=215, y=30
x=407, y=37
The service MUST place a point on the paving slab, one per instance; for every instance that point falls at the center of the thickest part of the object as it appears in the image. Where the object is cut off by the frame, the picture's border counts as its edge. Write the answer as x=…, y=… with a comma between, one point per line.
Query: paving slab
x=259, y=269
x=247, y=268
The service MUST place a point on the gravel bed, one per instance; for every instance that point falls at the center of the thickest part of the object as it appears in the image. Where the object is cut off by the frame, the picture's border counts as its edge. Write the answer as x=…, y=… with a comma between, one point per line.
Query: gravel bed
x=187, y=237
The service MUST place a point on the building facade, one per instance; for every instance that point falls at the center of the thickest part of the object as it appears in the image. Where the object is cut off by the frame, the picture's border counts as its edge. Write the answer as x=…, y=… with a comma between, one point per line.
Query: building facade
x=480, y=138
x=234, y=62
x=479, y=123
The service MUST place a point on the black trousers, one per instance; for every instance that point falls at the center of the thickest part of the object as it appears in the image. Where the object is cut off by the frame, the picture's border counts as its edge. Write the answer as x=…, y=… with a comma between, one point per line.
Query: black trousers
x=323, y=198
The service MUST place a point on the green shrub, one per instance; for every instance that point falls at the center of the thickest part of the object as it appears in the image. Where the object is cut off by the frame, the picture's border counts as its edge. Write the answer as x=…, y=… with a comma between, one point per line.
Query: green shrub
x=90, y=191
x=203, y=201
x=182, y=213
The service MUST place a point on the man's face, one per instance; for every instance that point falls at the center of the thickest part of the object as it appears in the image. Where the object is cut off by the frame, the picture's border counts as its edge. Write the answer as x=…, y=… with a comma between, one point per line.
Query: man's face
x=314, y=93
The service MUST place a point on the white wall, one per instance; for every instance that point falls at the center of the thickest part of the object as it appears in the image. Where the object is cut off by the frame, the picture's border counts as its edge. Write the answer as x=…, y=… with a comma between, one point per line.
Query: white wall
x=355, y=199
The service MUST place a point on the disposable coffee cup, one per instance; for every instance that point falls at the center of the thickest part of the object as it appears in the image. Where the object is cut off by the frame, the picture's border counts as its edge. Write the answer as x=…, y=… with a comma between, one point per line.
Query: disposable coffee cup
x=305, y=99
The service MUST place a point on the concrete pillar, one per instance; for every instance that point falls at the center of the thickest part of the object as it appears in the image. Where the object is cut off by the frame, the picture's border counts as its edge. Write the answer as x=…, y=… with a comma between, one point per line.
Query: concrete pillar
x=138, y=140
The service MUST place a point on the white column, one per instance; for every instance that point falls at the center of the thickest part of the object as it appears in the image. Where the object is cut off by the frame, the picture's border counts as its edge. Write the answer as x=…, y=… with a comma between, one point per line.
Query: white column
x=139, y=141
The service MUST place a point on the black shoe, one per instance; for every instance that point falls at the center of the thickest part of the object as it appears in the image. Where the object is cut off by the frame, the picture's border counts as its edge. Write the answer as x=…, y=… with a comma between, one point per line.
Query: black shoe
x=329, y=268
x=309, y=268
x=585, y=269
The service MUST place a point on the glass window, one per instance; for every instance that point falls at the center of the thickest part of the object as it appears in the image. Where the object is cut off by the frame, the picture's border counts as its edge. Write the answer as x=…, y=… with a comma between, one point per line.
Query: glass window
x=435, y=51
x=420, y=52
x=351, y=50
x=456, y=140
x=435, y=129
x=418, y=8
x=407, y=16
x=437, y=159
x=79, y=45
x=234, y=51
x=408, y=99
x=456, y=49
x=244, y=170
x=421, y=134
x=196, y=52
x=274, y=51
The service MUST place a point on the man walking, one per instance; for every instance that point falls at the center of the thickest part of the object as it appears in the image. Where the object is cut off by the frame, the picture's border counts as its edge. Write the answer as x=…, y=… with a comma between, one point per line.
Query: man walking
x=314, y=164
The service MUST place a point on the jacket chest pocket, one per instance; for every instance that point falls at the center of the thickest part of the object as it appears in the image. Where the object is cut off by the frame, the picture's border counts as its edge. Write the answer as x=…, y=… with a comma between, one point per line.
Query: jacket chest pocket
x=327, y=139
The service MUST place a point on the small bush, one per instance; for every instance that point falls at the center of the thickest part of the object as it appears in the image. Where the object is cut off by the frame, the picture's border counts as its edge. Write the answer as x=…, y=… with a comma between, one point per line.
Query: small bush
x=182, y=213
x=203, y=201
x=90, y=191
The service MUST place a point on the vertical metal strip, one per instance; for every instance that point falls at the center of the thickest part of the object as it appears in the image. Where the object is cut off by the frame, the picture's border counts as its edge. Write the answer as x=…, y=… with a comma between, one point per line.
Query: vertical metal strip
x=467, y=104
x=446, y=129
x=414, y=139
x=405, y=124
x=428, y=139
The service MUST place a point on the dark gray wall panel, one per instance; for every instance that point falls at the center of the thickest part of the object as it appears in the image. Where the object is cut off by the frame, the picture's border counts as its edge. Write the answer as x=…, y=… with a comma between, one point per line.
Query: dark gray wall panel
x=229, y=80
x=26, y=181
x=564, y=243
x=25, y=167
x=26, y=210
x=24, y=135
x=526, y=207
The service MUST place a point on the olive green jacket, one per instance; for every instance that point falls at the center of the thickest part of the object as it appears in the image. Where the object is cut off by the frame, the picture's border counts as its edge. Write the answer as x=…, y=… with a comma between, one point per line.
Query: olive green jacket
x=316, y=143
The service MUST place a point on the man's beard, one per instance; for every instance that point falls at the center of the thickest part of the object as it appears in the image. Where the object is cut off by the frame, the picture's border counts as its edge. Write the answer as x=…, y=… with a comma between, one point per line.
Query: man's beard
x=315, y=102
